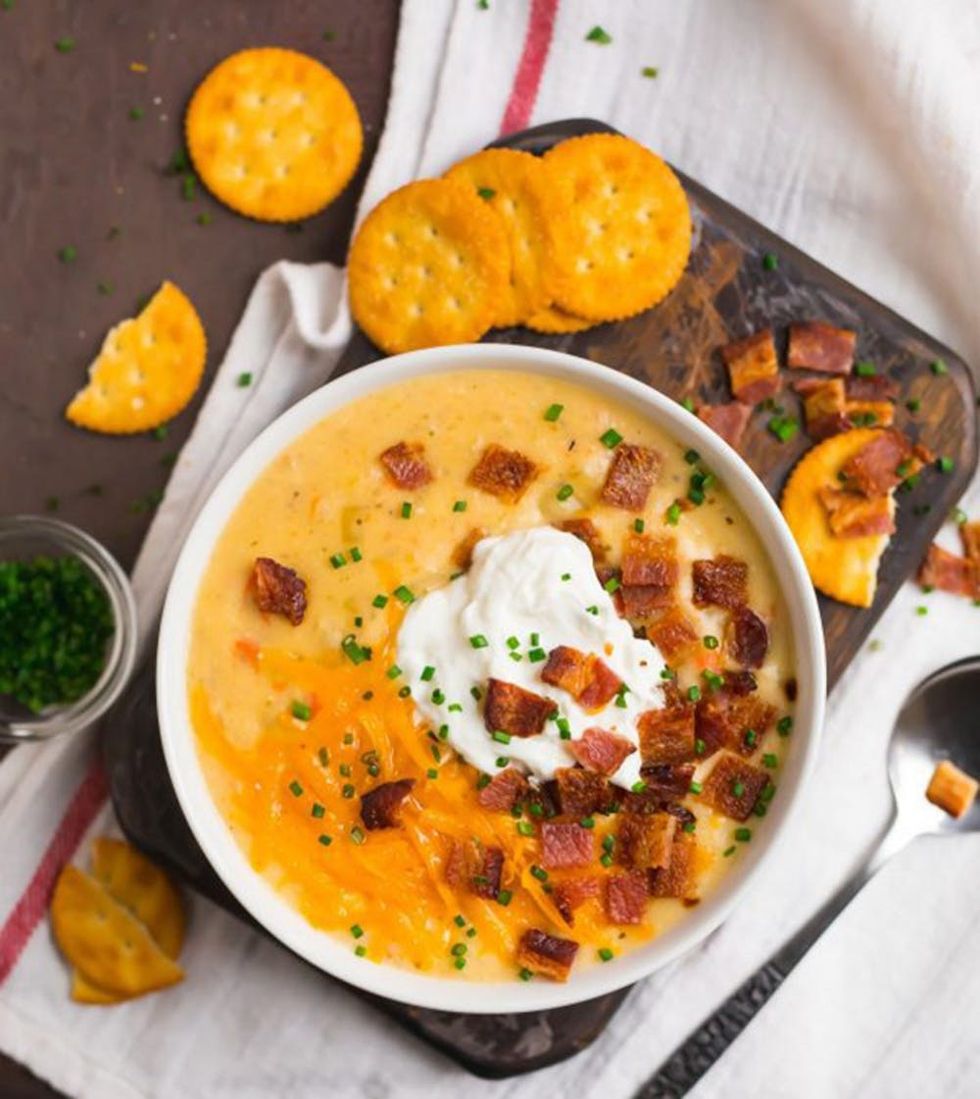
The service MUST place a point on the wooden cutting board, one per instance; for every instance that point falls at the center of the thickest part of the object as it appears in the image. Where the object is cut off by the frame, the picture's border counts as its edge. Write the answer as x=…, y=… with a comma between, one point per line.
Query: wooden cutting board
x=726, y=293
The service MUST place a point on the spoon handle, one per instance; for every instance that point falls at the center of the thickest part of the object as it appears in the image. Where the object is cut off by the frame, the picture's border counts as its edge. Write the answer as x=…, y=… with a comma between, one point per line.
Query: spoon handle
x=692, y=1059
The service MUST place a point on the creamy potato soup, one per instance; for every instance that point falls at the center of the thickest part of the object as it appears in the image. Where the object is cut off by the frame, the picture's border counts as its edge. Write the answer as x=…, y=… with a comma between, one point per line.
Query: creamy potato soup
x=490, y=678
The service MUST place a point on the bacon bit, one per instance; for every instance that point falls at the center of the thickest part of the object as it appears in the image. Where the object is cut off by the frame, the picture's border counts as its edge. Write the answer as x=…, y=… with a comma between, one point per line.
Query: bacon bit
x=626, y=897
x=728, y=420
x=601, y=751
x=953, y=790
x=873, y=471
x=816, y=345
x=405, y=465
x=728, y=775
x=824, y=406
x=487, y=882
x=871, y=413
x=747, y=638
x=564, y=846
x=739, y=683
x=248, y=650
x=573, y=893
x=580, y=792
x=641, y=602
x=567, y=668
x=463, y=552
x=752, y=367
x=503, y=473
x=722, y=722
x=854, y=516
x=631, y=475
x=546, y=955
x=790, y=688
x=650, y=560
x=503, y=791
x=644, y=841
x=602, y=687
x=278, y=589
x=970, y=537
x=586, y=531
x=667, y=736
x=586, y=678
x=720, y=582
x=873, y=387
x=511, y=709
x=674, y=635
x=679, y=879
x=665, y=782
x=380, y=806
x=950, y=573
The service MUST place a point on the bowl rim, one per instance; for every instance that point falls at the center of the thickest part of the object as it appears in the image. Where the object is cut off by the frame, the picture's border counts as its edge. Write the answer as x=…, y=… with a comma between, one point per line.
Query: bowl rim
x=322, y=949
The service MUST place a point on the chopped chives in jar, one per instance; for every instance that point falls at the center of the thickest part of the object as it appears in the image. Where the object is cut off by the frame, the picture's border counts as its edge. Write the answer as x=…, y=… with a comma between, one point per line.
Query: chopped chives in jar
x=553, y=411
x=611, y=438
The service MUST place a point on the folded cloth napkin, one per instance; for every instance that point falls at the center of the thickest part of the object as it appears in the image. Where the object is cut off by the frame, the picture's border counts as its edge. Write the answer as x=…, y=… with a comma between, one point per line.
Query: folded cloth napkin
x=851, y=128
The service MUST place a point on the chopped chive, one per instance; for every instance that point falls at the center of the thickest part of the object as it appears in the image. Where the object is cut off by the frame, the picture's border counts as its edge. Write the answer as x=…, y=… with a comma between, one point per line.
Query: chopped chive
x=525, y=974
x=553, y=411
x=770, y=261
x=611, y=438
x=64, y=45
x=379, y=601
x=688, y=404
x=592, y=610
x=537, y=655
x=427, y=673
x=743, y=835
x=651, y=72
x=921, y=611
x=673, y=515
x=738, y=789
x=323, y=756
x=404, y=594
x=535, y=639
x=783, y=427
x=357, y=834
x=638, y=787
x=693, y=693
x=355, y=553
x=613, y=584
x=608, y=843
x=564, y=492
x=345, y=770
x=699, y=746
x=438, y=697
x=784, y=725
x=454, y=708
x=710, y=642
x=692, y=457
x=639, y=525
x=566, y=576
x=356, y=930
x=513, y=642
x=136, y=113
x=301, y=710
x=458, y=950
x=360, y=950
x=393, y=672
x=564, y=729
x=406, y=510
x=525, y=828
x=482, y=781
x=587, y=822
x=937, y=366
x=460, y=963
x=728, y=852
x=324, y=839
x=504, y=897
x=751, y=737
x=501, y=737
x=460, y=505
x=244, y=380
x=689, y=826
x=945, y=465
x=443, y=733
x=913, y=405
x=865, y=369
x=355, y=652
x=479, y=641
x=295, y=789
x=432, y=773
x=338, y=560
x=768, y=792
x=476, y=693
x=695, y=788
x=600, y=35
x=485, y=192
x=606, y=860
x=458, y=920
x=68, y=254
x=317, y=810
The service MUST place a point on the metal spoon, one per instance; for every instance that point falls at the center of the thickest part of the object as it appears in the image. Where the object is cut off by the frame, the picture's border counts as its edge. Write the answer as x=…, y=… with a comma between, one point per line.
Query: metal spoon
x=938, y=721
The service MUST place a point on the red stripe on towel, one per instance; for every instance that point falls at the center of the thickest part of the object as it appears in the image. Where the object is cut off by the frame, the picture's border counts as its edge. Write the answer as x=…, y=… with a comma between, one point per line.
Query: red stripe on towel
x=537, y=42
x=29, y=910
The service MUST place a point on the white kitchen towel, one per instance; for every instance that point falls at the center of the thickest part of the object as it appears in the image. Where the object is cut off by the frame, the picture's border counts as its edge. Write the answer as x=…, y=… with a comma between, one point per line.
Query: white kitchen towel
x=849, y=127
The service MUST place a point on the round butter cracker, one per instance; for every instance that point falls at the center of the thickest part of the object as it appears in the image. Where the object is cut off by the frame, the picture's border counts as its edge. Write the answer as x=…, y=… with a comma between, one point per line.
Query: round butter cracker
x=148, y=369
x=621, y=223
x=273, y=134
x=514, y=184
x=554, y=321
x=428, y=266
x=846, y=569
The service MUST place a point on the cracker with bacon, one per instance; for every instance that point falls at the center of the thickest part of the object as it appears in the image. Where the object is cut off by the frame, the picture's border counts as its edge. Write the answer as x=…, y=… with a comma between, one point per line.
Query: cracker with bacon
x=273, y=134
x=148, y=369
x=841, y=565
x=621, y=224
x=515, y=185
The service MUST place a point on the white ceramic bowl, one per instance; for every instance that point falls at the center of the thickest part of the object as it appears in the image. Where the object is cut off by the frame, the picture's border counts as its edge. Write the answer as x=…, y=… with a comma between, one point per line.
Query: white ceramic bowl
x=336, y=957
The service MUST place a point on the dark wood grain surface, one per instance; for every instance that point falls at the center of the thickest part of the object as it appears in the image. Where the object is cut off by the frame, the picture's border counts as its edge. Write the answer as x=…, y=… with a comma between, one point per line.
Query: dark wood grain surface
x=73, y=165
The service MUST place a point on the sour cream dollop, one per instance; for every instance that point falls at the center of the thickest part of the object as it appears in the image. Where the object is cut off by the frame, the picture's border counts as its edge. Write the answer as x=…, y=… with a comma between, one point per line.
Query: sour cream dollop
x=539, y=587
